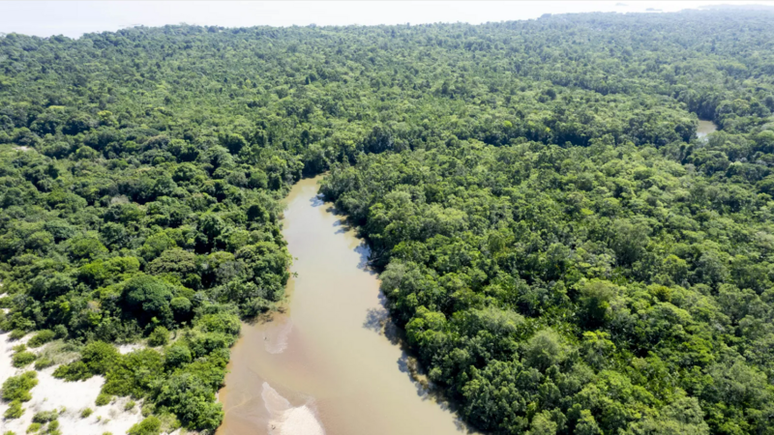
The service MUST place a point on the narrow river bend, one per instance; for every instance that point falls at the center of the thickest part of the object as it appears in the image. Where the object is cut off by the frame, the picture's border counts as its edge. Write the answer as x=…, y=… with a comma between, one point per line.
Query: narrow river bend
x=325, y=367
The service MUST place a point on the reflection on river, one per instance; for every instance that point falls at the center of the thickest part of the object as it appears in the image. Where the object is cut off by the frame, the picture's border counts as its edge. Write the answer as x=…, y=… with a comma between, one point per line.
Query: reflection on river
x=326, y=365
x=705, y=128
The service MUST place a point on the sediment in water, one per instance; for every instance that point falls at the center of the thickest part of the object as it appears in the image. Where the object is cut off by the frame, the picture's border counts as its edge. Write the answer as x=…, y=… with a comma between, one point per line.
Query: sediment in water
x=327, y=356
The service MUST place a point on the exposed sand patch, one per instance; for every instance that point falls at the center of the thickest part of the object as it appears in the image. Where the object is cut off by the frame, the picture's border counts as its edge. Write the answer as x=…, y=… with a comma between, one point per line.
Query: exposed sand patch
x=6, y=366
x=128, y=348
x=287, y=420
x=2, y=295
x=72, y=397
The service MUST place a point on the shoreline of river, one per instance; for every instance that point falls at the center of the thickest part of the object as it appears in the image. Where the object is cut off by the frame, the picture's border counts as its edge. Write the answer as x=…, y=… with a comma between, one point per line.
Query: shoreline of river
x=331, y=352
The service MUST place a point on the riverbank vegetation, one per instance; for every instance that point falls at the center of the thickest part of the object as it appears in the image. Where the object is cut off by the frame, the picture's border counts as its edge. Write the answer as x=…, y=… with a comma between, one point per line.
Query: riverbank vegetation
x=565, y=255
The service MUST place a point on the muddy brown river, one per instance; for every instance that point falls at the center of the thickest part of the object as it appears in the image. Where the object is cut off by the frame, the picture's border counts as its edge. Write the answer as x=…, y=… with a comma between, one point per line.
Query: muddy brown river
x=325, y=366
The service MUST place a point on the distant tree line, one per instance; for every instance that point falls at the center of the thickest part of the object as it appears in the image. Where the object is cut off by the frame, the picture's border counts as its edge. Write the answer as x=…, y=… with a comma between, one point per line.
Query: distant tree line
x=565, y=255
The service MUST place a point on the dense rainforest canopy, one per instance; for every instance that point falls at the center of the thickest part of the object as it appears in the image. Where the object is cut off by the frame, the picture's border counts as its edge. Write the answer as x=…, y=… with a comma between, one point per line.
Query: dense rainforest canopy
x=566, y=256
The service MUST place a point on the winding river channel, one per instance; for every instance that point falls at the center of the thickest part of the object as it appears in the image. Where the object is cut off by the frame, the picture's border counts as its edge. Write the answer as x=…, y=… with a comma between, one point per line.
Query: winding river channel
x=325, y=366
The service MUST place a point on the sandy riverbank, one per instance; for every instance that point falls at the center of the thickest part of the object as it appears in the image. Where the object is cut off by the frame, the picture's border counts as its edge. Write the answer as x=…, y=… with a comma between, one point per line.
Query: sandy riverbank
x=287, y=420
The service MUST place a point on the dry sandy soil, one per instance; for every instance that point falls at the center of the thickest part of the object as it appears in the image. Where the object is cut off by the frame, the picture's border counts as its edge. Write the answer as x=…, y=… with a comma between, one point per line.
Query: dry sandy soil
x=69, y=397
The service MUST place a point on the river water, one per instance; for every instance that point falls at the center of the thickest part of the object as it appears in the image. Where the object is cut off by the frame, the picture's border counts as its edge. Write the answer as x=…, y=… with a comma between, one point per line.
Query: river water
x=705, y=128
x=326, y=365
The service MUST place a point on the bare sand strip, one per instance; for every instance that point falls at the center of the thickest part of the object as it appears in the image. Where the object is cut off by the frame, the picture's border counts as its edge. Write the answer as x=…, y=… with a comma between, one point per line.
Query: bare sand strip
x=287, y=420
x=72, y=397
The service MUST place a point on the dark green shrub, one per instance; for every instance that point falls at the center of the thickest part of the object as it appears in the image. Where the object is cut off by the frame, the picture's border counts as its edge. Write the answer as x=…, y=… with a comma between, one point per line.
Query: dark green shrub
x=177, y=355
x=96, y=359
x=99, y=357
x=135, y=374
x=181, y=307
x=60, y=331
x=75, y=371
x=159, y=337
x=18, y=387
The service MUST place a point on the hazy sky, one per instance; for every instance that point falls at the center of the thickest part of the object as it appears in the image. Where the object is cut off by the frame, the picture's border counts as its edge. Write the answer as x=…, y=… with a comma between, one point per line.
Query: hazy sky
x=73, y=18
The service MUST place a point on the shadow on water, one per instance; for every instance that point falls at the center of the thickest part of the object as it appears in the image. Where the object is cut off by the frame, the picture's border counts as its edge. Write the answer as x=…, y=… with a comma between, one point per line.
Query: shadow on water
x=365, y=258
x=363, y=250
x=317, y=201
x=342, y=226
x=378, y=320
x=426, y=389
x=265, y=317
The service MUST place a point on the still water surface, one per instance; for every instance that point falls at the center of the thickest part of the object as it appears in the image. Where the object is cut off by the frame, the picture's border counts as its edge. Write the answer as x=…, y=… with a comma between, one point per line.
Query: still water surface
x=705, y=128
x=325, y=366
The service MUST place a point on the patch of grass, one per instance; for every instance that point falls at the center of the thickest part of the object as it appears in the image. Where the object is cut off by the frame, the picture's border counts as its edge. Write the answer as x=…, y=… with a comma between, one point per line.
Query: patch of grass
x=41, y=338
x=45, y=416
x=34, y=427
x=18, y=387
x=43, y=362
x=75, y=371
x=24, y=358
x=17, y=334
x=149, y=426
x=53, y=428
x=147, y=409
x=169, y=422
x=14, y=411
x=57, y=352
x=86, y=413
x=103, y=399
x=129, y=405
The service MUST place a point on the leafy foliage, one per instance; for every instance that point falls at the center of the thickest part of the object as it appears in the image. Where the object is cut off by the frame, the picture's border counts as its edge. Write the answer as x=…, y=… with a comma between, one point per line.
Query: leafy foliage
x=565, y=255
x=18, y=387
x=14, y=410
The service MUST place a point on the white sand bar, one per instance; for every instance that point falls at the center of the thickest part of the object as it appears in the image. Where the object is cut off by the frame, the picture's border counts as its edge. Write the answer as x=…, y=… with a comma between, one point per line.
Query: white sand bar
x=286, y=420
x=73, y=397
